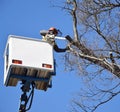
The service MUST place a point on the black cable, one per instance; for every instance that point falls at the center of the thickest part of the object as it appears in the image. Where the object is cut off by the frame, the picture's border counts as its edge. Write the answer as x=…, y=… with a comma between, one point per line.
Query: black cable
x=30, y=96
x=26, y=99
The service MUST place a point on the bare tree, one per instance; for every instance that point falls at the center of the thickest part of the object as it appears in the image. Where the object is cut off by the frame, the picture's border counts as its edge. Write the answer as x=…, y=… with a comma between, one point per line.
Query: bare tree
x=95, y=51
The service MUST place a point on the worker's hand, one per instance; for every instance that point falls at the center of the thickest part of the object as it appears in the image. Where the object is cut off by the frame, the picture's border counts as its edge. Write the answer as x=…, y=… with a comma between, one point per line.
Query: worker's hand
x=68, y=48
x=69, y=38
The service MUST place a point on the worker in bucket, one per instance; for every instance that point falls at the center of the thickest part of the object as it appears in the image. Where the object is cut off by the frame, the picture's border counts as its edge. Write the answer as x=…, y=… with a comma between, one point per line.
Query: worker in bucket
x=49, y=36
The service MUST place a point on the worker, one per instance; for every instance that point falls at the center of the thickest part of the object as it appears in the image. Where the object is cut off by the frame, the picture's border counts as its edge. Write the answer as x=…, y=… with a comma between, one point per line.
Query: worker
x=49, y=36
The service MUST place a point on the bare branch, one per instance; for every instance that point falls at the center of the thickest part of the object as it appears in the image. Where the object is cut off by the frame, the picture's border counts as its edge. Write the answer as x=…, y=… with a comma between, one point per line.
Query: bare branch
x=98, y=20
x=105, y=101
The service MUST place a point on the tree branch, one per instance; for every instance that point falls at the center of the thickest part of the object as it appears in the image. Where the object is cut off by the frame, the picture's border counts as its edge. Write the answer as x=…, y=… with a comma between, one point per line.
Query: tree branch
x=73, y=12
x=111, y=67
x=103, y=102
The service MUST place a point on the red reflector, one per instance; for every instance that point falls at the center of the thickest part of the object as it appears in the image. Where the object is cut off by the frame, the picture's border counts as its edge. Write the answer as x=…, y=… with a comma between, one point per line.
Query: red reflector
x=16, y=61
x=47, y=65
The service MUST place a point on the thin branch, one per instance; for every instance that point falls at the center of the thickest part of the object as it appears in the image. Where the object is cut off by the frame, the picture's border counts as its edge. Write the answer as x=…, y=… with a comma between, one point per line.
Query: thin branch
x=103, y=102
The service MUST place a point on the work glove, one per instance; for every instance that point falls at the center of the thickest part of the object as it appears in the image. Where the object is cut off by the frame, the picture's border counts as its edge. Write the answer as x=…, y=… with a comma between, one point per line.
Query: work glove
x=68, y=48
x=69, y=38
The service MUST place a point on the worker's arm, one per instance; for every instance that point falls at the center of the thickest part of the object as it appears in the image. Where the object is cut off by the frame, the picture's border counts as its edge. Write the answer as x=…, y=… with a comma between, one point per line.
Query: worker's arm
x=57, y=49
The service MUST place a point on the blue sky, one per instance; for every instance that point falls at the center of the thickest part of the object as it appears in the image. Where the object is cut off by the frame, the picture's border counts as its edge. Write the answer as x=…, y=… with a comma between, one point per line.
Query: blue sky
x=27, y=18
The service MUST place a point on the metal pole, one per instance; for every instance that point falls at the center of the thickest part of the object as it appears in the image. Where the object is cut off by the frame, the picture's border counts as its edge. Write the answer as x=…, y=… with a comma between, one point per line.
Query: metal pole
x=24, y=98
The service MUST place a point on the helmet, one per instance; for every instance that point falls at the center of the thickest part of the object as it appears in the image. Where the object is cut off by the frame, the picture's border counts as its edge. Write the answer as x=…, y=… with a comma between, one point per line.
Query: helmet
x=53, y=30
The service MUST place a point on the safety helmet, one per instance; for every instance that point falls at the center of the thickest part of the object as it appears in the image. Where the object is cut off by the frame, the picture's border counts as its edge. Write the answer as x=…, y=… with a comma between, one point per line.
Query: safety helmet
x=53, y=30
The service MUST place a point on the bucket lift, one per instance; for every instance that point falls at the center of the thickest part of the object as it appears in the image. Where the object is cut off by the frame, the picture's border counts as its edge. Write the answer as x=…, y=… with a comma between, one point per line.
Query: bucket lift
x=30, y=61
